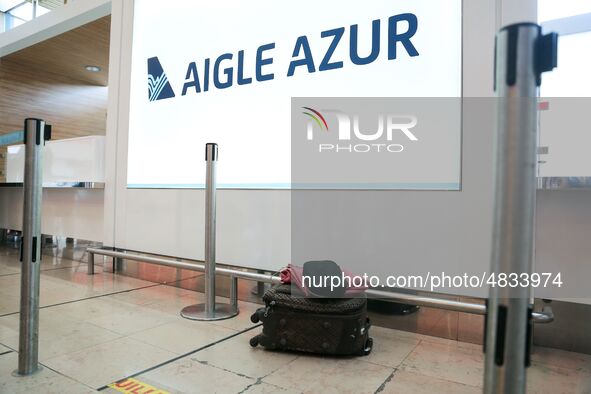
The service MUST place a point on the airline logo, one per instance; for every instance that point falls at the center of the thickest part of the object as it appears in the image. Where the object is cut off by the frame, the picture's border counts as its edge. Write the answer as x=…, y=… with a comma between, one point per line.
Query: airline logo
x=388, y=40
x=158, y=86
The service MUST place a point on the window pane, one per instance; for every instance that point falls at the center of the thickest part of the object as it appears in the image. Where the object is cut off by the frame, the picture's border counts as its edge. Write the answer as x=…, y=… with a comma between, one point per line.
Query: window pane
x=10, y=22
x=42, y=10
x=17, y=22
x=572, y=77
x=25, y=11
x=5, y=5
x=556, y=9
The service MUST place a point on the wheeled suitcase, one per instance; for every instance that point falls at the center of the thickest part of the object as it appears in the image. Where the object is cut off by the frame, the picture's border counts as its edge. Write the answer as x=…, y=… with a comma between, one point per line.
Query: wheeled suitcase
x=335, y=326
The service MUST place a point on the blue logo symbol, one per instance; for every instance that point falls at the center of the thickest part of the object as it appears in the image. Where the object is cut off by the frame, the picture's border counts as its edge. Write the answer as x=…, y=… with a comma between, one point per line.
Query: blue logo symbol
x=158, y=86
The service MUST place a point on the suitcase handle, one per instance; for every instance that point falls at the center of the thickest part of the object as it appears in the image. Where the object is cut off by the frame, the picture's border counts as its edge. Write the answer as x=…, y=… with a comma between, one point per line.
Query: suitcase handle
x=367, y=326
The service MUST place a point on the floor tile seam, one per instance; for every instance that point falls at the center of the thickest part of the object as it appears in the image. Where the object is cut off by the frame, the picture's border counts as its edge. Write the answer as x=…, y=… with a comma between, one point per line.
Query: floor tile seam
x=179, y=357
x=131, y=333
x=41, y=270
x=98, y=296
x=151, y=344
x=242, y=375
x=86, y=299
x=66, y=376
x=79, y=349
x=420, y=341
x=112, y=294
x=178, y=314
x=479, y=386
x=392, y=376
x=120, y=335
x=262, y=378
x=403, y=369
x=9, y=347
x=4, y=275
x=408, y=341
x=554, y=366
x=385, y=382
x=84, y=347
x=45, y=366
x=256, y=383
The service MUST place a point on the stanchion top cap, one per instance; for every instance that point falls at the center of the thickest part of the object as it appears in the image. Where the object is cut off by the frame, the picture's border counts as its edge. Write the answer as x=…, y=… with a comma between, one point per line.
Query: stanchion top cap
x=521, y=24
x=211, y=151
x=34, y=119
x=40, y=127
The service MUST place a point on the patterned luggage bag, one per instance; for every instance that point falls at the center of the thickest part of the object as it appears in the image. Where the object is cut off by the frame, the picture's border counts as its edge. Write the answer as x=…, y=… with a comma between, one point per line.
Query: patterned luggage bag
x=314, y=325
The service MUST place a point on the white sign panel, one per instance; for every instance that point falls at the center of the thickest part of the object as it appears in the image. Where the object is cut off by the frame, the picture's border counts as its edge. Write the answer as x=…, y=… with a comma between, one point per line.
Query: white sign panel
x=226, y=71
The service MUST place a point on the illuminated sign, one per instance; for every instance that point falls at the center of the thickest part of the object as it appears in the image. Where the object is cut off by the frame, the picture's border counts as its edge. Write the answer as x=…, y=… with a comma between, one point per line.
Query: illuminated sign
x=226, y=72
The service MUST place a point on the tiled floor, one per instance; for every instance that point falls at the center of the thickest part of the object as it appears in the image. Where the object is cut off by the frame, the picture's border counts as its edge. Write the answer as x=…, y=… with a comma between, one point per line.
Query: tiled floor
x=100, y=329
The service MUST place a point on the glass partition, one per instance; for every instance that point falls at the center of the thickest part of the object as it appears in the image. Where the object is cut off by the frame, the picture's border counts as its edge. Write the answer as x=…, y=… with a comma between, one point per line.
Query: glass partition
x=564, y=161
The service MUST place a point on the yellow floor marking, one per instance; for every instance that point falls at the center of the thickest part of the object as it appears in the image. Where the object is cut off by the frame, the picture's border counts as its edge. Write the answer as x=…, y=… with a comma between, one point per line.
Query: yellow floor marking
x=134, y=386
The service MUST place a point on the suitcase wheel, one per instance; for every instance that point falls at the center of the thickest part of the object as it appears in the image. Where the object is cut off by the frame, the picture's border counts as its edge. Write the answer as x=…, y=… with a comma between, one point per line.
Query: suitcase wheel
x=254, y=318
x=254, y=341
x=368, y=346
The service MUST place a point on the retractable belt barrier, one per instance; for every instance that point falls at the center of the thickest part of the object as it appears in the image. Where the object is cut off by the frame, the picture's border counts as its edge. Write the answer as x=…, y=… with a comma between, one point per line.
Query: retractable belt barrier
x=35, y=134
x=212, y=310
x=522, y=55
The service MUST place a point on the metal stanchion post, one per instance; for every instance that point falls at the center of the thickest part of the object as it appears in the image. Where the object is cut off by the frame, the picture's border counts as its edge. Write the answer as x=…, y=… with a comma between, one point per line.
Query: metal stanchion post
x=90, y=270
x=211, y=310
x=260, y=288
x=36, y=132
x=234, y=292
x=522, y=54
x=117, y=265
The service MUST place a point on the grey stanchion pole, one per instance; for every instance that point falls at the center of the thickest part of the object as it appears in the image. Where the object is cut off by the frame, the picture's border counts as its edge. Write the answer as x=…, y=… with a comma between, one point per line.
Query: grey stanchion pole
x=234, y=293
x=90, y=270
x=36, y=132
x=522, y=54
x=211, y=310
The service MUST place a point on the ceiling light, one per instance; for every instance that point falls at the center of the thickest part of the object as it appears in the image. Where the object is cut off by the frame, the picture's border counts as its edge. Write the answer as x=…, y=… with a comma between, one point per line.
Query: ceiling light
x=93, y=69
